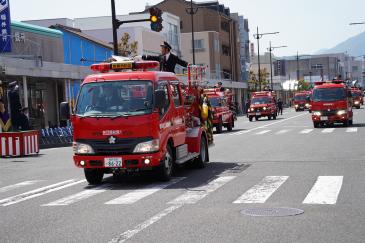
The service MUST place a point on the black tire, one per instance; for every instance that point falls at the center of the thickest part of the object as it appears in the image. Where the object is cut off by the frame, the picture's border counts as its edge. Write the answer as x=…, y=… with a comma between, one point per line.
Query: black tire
x=220, y=127
x=274, y=116
x=256, y=118
x=351, y=122
x=357, y=107
x=316, y=124
x=269, y=117
x=296, y=110
x=94, y=176
x=166, y=169
x=250, y=118
x=230, y=125
x=203, y=158
x=346, y=123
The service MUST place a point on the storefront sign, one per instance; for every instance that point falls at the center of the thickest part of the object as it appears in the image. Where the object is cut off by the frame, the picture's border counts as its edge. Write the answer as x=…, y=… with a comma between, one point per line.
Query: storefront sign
x=5, y=40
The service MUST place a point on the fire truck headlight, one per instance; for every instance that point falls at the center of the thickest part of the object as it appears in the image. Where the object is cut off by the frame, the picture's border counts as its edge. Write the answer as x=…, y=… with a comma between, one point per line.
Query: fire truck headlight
x=307, y=105
x=81, y=148
x=341, y=112
x=357, y=102
x=264, y=108
x=296, y=106
x=316, y=113
x=252, y=109
x=147, y=147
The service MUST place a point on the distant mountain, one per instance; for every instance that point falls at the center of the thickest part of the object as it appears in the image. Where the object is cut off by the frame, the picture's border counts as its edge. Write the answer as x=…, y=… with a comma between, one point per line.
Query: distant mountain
x=354, y=46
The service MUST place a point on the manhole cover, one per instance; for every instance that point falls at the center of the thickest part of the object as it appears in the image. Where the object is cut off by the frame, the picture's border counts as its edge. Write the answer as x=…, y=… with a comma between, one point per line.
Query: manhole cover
x=272, y=212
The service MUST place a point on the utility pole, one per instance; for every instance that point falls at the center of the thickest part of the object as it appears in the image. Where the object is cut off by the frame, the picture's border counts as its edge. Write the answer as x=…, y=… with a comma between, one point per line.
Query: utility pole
x=258, y=36
x=192, y=12
x=297, y=66
x=270, y=49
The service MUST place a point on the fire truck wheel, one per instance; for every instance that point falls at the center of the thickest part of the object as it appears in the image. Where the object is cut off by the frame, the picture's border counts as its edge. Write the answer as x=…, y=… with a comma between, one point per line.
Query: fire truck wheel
x=203, y=156
x=219, y=127
x=250, y=118
x=230, y=125
x=316, y=124
x=269, y=117
x=351, y=122
x=256, y=118
x=274, y=116
x=166, y=169
x=94, y=176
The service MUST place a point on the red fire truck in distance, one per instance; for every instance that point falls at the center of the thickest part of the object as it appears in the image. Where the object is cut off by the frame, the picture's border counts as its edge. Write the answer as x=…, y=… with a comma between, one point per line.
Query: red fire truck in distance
x=358, y=97
x=131, y=119
x=331, y=103
x=222, y=115
x=263, y=104
x=302, y=101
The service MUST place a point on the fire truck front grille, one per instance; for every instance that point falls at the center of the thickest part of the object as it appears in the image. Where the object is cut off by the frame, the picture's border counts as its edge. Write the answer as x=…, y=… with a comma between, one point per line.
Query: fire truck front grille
x=121, y=146
x=329, y=112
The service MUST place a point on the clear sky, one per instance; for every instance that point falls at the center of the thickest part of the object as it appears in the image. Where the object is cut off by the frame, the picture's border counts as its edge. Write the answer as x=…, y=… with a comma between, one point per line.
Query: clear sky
x=304, y=25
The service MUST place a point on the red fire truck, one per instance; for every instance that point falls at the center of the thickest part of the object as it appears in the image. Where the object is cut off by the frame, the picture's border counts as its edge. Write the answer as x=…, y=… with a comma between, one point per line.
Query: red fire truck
x=358, y=97
x=130, y=118
x=331, y=103
x=222, y=115
x=302, y=101
x=263, y=104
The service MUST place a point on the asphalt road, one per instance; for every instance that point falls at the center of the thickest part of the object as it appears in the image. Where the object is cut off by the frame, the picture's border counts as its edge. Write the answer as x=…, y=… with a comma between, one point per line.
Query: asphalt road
x=259, y=167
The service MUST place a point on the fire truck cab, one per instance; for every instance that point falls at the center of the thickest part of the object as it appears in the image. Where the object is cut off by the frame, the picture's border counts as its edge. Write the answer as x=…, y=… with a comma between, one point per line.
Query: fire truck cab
x=331, y=103
x=222, y=115
x=358, y=97
x=131, y=118
x=302, y=101
x=263, y=104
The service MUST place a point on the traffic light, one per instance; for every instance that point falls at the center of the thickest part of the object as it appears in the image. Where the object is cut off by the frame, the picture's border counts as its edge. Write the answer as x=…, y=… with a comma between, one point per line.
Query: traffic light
x=156, y=19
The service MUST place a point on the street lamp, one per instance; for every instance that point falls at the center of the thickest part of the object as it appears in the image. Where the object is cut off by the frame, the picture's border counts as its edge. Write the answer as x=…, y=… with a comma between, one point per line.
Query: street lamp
x=270, y=49
x=299, y=56
x=192, y=11
x=258, y=36
x=357, y=23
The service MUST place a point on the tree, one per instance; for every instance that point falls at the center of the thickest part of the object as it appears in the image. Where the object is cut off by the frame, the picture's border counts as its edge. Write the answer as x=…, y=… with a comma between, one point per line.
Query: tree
x=303, y=85
x=125, y=48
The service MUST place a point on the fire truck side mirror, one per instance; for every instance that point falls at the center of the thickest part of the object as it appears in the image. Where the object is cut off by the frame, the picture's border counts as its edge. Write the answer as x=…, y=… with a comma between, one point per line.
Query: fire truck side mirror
x=349, y=94
x=64, y=111
x=160, y=99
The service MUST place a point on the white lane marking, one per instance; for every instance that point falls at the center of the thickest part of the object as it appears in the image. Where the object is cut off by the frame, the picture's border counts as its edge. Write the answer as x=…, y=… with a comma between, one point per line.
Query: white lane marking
x=38, y=192
x=282, y=131
x=189, y=197
x=79, y=196
x=262, y=191
x=264, y=126
x=263, y=132
x=198, y=193
x=325, y=190
x=328, y=130
x=139, y=194
x=306, y=131
x=130, y=233
x=18, y=185
x=351, y=129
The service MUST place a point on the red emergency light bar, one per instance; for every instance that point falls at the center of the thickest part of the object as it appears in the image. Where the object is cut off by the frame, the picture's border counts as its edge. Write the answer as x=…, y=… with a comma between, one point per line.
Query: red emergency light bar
x=263, y=93
x=118, y=66
x=329, y=82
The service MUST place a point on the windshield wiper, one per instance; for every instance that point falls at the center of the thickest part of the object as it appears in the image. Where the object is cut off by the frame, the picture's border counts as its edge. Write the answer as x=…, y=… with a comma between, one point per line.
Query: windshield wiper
x=121, y=115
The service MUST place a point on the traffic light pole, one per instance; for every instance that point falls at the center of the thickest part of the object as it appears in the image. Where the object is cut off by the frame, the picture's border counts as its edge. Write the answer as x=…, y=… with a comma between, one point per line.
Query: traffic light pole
x=117, y=23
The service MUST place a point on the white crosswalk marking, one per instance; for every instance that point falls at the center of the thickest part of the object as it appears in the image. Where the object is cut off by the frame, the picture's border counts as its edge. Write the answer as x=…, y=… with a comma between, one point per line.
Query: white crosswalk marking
x=18, y=185
x=262, y=191
x=79, y=196
x=195, y=194
x=328, y=130
x=282, y=131
x=138, y=194
x=263, y=132
x=325, y=190
x=351, y=129
x=306, y=131
x=38, y=192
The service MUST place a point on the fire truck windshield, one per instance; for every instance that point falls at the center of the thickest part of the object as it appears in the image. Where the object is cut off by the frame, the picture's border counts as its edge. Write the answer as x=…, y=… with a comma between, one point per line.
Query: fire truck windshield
x=329, y=95
x=114, y=99
x=356, y=94
x=300, y=97
x=215, y=101
x=260, y=100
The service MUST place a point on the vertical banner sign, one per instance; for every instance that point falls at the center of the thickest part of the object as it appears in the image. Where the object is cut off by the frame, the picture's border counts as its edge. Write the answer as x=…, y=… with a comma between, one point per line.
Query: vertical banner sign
x=5, y=37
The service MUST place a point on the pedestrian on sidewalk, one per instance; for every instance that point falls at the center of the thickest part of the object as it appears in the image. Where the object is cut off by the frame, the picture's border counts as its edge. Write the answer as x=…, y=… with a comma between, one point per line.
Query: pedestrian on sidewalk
x=280, y=106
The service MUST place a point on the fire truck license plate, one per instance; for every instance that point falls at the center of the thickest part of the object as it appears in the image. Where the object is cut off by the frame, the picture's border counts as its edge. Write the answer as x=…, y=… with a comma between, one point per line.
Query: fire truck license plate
x=324, y=118
x=113, y=162
x=258, y=113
